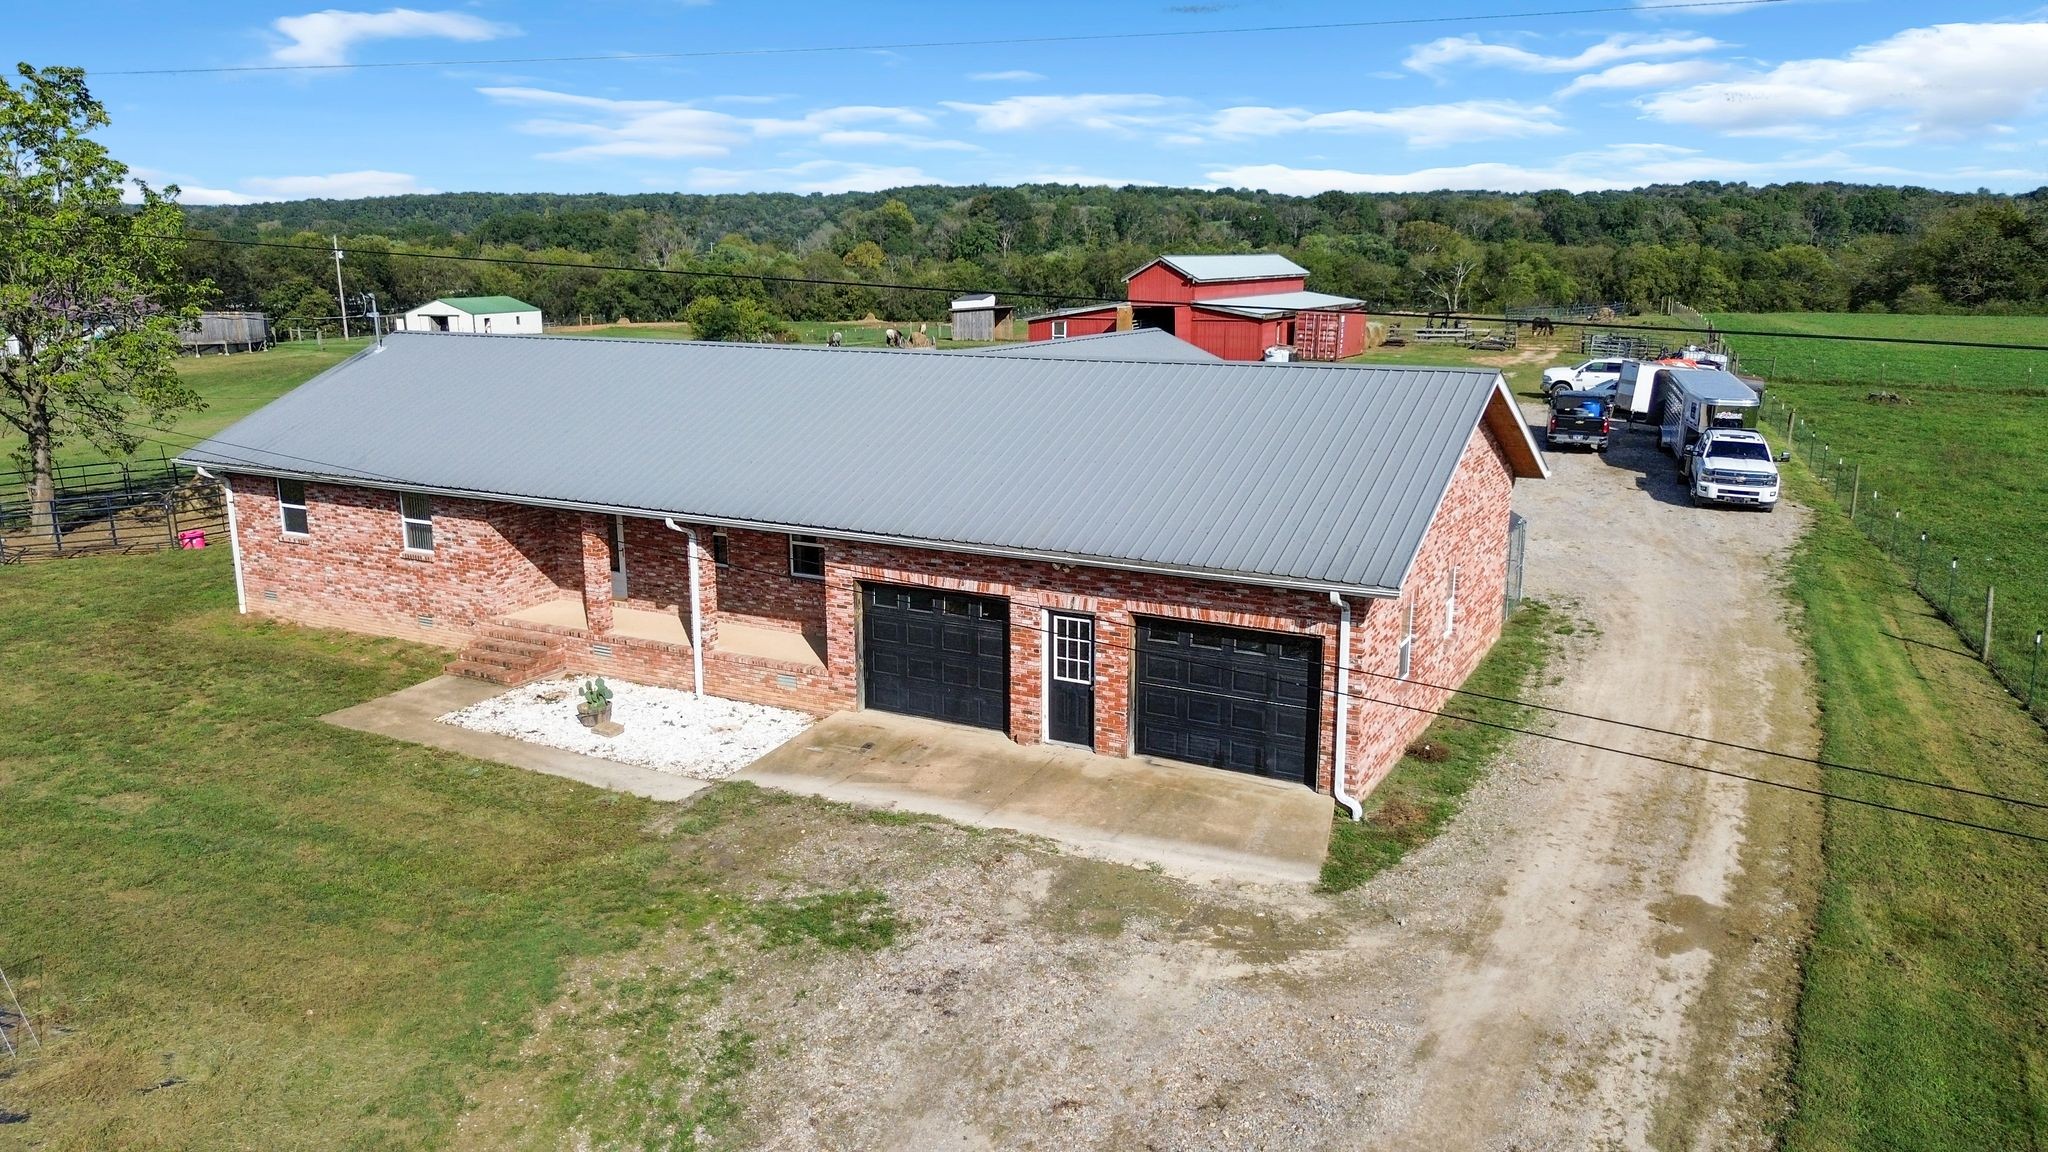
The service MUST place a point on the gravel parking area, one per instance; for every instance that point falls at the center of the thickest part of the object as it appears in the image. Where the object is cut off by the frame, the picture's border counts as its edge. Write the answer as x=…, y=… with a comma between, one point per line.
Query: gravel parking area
x=706, y=738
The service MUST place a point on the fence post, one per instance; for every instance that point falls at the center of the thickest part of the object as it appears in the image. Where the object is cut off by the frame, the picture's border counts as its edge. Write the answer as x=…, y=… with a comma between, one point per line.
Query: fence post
x=1919, y=560
x=170, y=521
x=1895, y=531
x=1950, y=611
x=1988, y=590
x=1791, y=418
x=1855, y=490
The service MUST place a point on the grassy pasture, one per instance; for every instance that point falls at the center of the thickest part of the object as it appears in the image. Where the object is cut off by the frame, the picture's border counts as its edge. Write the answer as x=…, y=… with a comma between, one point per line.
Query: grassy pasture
x=1857, y=364
x=243, y=928
x=1923, y=1019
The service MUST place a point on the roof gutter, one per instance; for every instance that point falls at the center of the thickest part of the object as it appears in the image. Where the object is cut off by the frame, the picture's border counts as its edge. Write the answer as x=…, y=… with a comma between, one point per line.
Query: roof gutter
x=1337, y=756
x=234, y=540
x=1262, y=580
x=696, y=632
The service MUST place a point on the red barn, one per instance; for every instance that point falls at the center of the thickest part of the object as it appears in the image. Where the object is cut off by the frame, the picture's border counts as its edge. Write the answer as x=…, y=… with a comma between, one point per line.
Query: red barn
x=1233, y=306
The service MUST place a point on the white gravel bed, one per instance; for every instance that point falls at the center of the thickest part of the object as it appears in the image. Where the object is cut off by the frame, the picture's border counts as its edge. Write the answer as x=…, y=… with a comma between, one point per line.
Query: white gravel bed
x=706, y=738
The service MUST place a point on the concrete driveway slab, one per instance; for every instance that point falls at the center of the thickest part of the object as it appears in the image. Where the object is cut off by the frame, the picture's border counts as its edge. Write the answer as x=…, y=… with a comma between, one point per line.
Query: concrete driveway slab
x=1203, y=823
x=412, y=714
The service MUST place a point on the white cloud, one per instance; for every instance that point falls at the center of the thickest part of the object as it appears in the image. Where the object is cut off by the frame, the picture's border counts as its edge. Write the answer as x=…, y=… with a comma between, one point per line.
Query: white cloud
x=1949, y=78
x=1615, y=166
x=326, y=37
x=1424, y=126
x=198, y=195
x=334, y=186
x=668, y=130
x=1102, y=111
x=1643, y=75
x=1438, y=55
x=810, y=176
x=1009, y=76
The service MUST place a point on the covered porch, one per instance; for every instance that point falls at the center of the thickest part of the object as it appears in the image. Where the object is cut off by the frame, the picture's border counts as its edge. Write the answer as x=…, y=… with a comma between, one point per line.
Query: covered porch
x=737, y=636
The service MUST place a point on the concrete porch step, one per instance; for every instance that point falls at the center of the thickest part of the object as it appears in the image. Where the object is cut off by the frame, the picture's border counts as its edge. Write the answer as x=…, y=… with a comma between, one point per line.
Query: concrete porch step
x=509, y=654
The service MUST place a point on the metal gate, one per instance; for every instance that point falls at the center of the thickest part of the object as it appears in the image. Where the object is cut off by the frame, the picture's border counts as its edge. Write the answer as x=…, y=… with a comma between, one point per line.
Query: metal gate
x=1518, y=534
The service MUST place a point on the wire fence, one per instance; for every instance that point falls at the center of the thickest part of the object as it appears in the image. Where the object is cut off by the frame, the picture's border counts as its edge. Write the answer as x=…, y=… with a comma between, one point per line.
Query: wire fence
x=2005, y=634
x=117, y=506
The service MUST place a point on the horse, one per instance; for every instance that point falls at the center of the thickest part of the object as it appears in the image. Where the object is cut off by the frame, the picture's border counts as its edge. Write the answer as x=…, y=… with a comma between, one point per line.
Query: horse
x=1542, y=326
x=836, y=339
x=892, y=338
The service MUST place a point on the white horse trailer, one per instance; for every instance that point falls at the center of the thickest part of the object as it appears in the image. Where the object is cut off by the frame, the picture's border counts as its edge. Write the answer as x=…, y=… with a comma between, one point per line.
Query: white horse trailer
x=1697, y=400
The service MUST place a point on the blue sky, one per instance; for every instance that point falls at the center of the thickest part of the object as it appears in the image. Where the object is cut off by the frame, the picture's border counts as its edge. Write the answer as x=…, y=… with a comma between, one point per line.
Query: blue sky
x=1871, y=91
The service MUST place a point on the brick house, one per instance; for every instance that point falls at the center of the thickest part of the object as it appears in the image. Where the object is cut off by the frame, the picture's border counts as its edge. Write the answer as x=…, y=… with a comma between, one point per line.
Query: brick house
x=1235, y=307
x=1252, y=567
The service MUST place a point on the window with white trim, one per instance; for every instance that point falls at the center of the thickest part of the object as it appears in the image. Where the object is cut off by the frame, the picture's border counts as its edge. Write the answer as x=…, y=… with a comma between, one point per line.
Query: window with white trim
x=1407, y=650
x=1073, y=649
x=416, y=513
x=806, y=558
x=1059, y=329
x=1451, y=605
x=721, y=548
x=291, y=507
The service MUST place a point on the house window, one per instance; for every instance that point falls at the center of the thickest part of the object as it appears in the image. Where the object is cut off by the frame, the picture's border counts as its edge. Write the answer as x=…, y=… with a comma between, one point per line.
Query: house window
x=1451, y=606
x=721, y=549
x=416, y=512
x=1059, y=329
x=806, y=557
x=291, y=506
x=1407, y=650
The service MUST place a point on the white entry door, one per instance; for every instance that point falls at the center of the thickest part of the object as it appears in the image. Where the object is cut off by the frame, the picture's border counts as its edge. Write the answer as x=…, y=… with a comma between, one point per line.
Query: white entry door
x=618, y=550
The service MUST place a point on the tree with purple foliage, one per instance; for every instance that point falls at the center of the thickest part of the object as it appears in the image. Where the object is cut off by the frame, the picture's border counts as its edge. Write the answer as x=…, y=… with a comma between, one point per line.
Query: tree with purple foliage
x=91, y=296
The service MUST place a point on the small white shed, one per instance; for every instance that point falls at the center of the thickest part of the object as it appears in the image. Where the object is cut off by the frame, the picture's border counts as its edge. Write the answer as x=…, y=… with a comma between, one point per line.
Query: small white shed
x=490, y=315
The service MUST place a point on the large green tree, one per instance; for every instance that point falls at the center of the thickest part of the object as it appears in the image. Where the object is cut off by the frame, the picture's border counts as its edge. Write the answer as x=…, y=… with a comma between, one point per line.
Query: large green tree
x=91, y=294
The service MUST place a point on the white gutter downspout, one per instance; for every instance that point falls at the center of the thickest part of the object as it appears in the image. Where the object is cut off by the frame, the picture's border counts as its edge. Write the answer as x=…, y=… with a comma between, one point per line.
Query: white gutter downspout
x=1343, y=705
x=234, y=541
x=696, y=633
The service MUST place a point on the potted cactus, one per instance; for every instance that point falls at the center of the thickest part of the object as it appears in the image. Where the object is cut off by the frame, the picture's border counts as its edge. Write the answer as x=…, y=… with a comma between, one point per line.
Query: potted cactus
x=595, y=706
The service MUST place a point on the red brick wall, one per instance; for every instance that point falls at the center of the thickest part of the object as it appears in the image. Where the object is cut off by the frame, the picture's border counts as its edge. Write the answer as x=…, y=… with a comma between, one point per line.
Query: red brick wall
x=352, y=569
x=758, y=585
x=1470, y=532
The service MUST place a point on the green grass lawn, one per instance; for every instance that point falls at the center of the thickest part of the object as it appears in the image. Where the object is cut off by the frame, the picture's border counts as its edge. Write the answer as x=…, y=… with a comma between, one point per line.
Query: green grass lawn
x=1871, y=366
x=1923, y=1023
x=231, y=387
x=243, y=928
x=1427, y=787
x=1967, y=463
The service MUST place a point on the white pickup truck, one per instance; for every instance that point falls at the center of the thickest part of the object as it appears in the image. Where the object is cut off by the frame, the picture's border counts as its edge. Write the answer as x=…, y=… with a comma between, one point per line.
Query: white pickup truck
x=1731, y=466
x=1591, y=374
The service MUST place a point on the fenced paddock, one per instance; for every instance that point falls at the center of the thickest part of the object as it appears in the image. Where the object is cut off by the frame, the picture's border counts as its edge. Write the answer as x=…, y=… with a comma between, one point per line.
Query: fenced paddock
x=116, y=506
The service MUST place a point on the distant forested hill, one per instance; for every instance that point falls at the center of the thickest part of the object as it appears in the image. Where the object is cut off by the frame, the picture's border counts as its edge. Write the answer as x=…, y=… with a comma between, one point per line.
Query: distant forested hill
x=1733, y=247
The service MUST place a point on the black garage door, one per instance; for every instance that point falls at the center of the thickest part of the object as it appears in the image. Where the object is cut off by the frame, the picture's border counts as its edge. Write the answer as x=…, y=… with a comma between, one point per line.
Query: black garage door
x=938, y=654
x=1247, y=701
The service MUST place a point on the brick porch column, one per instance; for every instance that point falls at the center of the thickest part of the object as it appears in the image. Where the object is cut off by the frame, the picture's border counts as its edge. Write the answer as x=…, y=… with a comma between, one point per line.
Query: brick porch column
x=597, y=573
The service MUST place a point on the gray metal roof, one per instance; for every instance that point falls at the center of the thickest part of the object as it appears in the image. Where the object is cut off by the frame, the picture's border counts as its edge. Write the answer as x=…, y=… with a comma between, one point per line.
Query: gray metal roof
x=1713, y=386
x=1209, y=269
x=1323, y=477
x=1150, y=344
x=1272, y=302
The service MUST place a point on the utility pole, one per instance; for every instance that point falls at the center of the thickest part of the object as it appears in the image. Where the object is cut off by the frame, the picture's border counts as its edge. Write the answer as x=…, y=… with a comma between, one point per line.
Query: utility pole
x=340, y=296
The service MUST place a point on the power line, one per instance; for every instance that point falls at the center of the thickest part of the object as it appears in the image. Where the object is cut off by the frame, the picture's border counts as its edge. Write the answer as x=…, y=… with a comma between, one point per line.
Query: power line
x=1083, y=298
x=1003, y=42
x=1585, y=744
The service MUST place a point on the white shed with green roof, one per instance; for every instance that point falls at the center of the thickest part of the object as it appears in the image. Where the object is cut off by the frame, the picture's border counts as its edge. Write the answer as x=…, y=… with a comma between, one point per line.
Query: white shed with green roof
x=483, y=315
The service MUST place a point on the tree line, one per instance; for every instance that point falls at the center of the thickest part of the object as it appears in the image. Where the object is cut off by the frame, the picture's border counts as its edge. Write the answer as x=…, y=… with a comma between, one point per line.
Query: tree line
x=1718, y=247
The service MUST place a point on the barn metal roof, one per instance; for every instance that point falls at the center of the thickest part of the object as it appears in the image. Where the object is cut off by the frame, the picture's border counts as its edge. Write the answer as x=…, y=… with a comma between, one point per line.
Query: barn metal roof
x=1210, y=269
x=486, y=305
x=1151, y=344
x=1318, y=478
x=1272, y=303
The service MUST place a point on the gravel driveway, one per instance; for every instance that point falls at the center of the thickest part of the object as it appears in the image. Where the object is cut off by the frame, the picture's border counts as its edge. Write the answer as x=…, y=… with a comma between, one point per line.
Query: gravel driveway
x=1598, y=953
